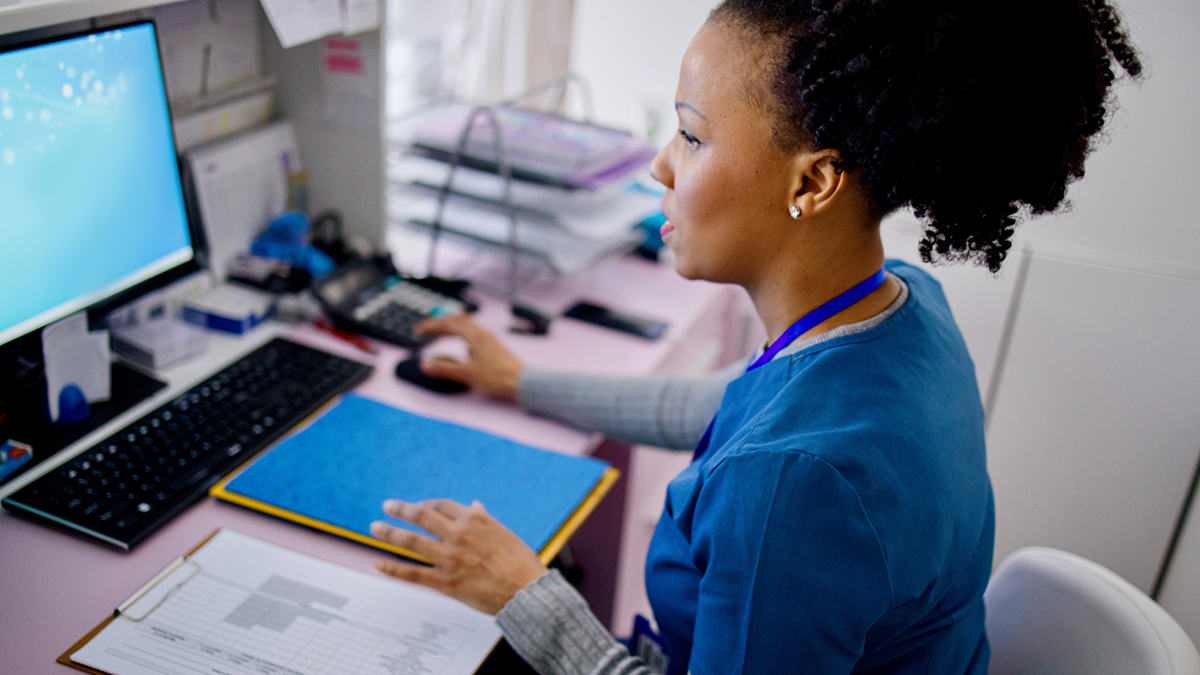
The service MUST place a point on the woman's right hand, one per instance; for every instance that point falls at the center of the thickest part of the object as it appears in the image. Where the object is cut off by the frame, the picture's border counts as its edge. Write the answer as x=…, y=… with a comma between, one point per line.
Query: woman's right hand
x=489, y=368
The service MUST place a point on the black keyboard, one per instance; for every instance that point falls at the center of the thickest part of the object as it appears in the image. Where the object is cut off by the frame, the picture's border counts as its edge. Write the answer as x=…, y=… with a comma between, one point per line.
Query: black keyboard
x=128, y=485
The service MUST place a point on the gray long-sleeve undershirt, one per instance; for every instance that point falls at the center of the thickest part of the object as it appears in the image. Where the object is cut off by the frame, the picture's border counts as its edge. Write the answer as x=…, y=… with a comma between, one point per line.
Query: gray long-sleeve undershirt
x=666, y=412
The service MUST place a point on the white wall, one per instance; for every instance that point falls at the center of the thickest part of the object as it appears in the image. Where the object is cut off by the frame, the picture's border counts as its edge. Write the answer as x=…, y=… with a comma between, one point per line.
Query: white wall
x=630, y=51
x=1094, y=433
x=1136, y=206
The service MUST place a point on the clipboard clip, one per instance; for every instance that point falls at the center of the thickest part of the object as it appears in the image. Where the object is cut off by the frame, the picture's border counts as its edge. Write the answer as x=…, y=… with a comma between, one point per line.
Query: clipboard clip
x=124, y=607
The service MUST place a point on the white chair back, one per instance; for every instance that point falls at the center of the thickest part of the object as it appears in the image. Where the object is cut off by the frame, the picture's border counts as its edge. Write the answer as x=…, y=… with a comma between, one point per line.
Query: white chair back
x=1053, y=613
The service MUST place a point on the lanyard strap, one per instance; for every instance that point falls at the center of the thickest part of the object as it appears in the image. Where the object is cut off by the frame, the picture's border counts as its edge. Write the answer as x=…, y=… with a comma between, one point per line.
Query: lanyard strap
x=857, y=292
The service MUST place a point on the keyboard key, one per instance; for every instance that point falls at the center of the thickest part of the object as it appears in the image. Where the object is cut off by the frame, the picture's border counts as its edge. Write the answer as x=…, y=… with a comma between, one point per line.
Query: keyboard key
x=126, y=521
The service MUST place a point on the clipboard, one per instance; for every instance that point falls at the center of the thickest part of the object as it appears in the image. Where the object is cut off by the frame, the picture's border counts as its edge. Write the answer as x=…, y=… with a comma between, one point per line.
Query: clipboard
x=65, y=657
x=258, y=585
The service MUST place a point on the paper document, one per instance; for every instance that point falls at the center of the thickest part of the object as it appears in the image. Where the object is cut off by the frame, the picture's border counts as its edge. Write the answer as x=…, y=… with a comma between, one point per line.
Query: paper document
x=299, y=21
x=73, y=355
x=241, y=605
x=583, y=213
x=68, y=329
x=241, y=185
x=564, y=252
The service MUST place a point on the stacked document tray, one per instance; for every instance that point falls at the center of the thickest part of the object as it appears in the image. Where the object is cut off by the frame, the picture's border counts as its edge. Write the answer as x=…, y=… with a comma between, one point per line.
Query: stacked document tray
x=573, y=191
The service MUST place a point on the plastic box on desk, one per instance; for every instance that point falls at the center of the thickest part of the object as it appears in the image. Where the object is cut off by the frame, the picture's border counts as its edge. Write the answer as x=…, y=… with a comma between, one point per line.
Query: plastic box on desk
x=158, y=344
x=228, y=308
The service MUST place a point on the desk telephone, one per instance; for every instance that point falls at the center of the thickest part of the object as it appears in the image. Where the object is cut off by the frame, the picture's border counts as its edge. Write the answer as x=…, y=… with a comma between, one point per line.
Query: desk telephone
x=370, y=297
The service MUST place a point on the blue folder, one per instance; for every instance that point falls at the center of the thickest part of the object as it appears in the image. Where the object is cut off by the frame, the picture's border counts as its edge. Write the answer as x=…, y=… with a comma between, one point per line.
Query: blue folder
x=335, y=475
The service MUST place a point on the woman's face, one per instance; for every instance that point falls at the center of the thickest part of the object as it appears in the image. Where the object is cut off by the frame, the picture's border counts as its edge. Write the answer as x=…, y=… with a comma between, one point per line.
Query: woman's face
x=728, y=184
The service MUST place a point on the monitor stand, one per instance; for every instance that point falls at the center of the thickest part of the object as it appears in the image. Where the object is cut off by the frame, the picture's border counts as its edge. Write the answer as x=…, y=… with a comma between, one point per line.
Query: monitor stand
x=26, y=422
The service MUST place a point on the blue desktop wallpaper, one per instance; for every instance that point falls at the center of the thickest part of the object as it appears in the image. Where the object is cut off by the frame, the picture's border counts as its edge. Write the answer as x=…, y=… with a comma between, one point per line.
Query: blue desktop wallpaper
x=89, y=188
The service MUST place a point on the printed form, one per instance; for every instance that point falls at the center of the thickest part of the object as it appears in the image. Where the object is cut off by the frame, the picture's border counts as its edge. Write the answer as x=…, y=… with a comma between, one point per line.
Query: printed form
x=241, y=606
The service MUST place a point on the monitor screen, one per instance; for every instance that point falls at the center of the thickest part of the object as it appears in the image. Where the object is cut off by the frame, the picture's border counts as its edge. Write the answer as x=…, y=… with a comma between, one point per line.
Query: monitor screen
x=90, y=198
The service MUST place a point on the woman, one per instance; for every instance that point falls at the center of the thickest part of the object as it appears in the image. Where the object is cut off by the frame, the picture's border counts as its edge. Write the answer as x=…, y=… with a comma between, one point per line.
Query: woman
x=838, y=515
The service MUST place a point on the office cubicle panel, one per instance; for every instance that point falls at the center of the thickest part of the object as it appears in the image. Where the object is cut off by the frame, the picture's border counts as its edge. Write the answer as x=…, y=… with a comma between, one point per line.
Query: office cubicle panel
x=1094, y=436
x=337, y=115
x=1180, y=594
x=22, y=15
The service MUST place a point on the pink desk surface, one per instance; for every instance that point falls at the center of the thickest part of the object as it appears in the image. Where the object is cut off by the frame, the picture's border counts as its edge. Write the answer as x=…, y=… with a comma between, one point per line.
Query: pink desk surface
x=54, y=587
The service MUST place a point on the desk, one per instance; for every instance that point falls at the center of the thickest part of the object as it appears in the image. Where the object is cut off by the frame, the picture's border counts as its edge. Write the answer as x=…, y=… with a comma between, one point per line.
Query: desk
x=55, y=587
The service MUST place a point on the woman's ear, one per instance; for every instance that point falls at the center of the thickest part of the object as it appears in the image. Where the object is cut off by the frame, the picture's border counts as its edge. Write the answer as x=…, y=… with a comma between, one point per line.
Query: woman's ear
x=818, y=183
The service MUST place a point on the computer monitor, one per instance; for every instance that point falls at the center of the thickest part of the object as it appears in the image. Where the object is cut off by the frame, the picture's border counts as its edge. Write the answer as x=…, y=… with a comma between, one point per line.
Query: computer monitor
x=91, y=205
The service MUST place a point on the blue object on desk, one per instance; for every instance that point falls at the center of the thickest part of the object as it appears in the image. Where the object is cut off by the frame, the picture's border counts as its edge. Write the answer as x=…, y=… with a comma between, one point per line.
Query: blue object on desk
x=652, y=241
x=73, y=406
x=13, y=455
x=287, y=238
x=341, y=469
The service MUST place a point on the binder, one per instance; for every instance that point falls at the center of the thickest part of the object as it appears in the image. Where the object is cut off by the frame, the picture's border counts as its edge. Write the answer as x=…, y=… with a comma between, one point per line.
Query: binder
x=335, y=474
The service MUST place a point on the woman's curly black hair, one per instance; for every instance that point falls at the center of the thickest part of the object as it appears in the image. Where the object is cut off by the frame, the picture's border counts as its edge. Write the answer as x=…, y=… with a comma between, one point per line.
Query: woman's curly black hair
x=969, y=111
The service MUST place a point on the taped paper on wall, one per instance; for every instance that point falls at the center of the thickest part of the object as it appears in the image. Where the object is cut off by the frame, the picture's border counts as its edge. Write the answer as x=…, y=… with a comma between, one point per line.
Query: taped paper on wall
x=299, y=21
x=350, y=75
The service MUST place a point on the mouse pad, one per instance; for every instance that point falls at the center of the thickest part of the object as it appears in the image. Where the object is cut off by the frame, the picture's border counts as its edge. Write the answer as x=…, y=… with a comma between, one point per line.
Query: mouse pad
x=361, y=452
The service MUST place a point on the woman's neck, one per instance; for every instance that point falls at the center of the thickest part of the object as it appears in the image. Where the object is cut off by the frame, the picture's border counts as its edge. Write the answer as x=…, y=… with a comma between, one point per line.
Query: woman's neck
x=793, y=287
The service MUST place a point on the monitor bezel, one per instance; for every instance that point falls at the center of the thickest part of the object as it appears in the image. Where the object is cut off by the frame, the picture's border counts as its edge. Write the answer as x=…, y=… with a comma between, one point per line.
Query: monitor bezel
x=16, y=347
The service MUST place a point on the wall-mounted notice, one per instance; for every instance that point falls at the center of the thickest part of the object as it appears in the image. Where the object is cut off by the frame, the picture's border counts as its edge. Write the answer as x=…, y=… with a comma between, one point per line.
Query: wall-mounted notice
x=299, y=21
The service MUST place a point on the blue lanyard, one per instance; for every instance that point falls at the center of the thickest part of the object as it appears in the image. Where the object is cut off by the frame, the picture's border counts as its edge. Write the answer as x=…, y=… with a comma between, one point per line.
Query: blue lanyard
x=806, y=323
x=857, y=292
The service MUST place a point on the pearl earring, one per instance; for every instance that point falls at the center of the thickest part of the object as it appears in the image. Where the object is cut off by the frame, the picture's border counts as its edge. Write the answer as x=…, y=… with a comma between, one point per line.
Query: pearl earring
x=795, y=212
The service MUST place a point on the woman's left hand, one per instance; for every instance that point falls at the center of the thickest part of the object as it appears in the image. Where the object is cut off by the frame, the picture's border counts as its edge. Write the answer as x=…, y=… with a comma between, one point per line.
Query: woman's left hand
x=475, y=559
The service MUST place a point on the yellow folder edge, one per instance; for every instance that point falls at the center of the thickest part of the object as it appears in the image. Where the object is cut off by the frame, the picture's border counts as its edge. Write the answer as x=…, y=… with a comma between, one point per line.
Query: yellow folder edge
x=551, y=549
x=547, y=553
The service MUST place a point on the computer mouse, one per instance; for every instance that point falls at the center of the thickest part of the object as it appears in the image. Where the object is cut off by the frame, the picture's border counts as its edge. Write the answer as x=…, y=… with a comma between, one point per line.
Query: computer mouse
x=410, y=370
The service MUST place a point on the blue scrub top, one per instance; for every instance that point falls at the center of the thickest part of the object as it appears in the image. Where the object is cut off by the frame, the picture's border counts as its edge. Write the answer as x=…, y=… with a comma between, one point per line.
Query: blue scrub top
x=841, y=520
